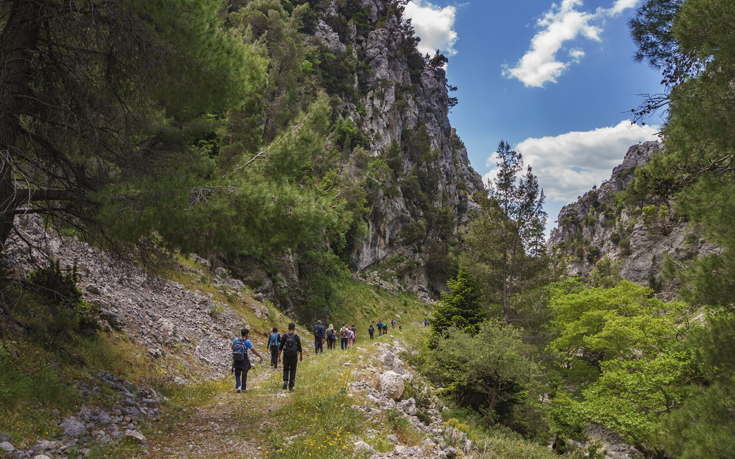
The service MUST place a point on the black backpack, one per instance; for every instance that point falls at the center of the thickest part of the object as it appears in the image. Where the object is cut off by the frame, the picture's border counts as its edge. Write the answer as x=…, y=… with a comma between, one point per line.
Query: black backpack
x=371, y=330
x=290, y=347
x=318, y=331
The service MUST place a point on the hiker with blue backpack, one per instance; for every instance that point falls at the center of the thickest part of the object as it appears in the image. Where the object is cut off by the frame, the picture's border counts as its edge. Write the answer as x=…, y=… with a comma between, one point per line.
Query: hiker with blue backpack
x=273, y=340
x=290, y=348
x=240, y=360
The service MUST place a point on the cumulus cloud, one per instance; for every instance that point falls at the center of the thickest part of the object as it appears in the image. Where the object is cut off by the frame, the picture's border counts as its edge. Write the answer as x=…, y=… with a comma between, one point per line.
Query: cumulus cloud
x=434, y=25
x=561, y=24
x=568, y=165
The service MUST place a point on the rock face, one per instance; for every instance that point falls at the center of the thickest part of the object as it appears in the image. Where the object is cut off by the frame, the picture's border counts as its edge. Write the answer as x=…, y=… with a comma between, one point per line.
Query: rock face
x=398, y=106
x=401, y=99
x=598, y=226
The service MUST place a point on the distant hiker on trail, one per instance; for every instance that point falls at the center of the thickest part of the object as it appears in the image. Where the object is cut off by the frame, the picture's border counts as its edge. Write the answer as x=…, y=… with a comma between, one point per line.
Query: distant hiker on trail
x=380, y=328
x=290, y=347
x=352, y=335
x=331, y=337
x=319, y=337
x=240, y=360
x=393, y=322
x=426, y=322
x=273, y=341
x=343, y=336
x=371, y=330
x=385, y=327
x=400, y=326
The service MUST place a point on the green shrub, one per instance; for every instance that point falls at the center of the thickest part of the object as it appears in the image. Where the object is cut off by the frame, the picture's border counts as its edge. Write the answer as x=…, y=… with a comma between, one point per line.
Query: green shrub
x=59, y=288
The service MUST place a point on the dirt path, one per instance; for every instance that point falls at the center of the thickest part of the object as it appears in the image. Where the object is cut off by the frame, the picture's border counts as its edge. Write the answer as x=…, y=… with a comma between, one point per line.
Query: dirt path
x=228, y=425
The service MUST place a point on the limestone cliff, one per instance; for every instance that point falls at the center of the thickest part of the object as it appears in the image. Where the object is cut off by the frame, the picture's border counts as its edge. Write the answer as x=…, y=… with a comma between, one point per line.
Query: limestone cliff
x=602, y=225
x=397, y=103
x=407, y=102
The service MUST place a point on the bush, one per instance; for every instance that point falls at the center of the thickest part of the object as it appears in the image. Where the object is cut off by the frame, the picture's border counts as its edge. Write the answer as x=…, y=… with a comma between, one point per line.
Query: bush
x=490, y=371
x=59, y=288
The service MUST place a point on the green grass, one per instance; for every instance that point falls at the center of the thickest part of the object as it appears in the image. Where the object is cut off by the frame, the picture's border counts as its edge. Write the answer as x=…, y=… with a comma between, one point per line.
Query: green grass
x=364, y=304
x=318, y=412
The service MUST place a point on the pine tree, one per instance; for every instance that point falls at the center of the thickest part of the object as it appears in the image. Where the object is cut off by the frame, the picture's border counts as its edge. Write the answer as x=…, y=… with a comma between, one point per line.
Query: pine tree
x=506, y=243
x=95, y=92
x=460, y=307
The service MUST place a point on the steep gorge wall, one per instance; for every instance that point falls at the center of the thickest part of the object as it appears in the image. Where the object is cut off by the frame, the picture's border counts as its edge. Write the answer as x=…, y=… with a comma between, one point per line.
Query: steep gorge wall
x=600, y=225
x=396, y=105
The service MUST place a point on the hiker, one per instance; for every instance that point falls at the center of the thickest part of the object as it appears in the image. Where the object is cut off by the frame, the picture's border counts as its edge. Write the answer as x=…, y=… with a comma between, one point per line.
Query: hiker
x=380, y=328
x=318, y=337
x=240, y=360
x=371, y=330
x=273, y=341
x=400, y=326
x=331, y=337
x=393, y=322
x=385, y=327
x=290, y=347
x=426, y=322
x=351, y=335
x=343, y=336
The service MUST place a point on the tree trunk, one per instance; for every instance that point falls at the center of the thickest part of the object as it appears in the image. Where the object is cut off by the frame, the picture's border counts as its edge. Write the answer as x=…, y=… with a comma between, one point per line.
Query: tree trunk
x=17, y=42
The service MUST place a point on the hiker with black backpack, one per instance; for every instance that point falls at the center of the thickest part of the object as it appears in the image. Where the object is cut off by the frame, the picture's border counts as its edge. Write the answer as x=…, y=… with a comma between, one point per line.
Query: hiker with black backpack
x=240, y=360
x=319, y=337
x=273, y=341
x=380, y=328
x=290, y=348
x=331, y=337
x=371, y=330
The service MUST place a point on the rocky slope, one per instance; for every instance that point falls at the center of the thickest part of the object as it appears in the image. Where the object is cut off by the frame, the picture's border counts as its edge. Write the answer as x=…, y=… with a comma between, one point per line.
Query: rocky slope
x=600, y=225
x=187, y=331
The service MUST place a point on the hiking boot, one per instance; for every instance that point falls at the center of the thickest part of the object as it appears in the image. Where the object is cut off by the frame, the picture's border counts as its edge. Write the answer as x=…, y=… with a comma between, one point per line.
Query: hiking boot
x=290, y=389
x=239, y=389
x=285, y=386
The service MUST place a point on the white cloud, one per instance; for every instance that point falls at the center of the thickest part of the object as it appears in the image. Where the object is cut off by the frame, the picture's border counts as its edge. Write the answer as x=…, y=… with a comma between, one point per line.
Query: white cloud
x=562, y=23
x=568, y=165
x=434, y=25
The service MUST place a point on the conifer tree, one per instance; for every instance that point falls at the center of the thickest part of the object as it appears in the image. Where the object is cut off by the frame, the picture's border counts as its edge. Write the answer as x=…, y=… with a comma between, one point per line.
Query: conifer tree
x=505, y=241
x=460, y=307
x=96, y=92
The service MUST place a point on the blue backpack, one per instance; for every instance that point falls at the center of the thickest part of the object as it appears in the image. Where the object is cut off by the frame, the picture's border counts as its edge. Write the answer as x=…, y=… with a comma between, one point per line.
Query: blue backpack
x=239, y=350
x=273, y=340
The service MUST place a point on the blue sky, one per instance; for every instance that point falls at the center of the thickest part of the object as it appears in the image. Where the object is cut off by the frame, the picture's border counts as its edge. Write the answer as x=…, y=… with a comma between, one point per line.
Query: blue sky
x=556, y=80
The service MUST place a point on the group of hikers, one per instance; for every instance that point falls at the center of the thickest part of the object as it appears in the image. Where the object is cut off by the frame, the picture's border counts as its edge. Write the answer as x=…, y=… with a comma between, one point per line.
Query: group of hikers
x=286, y=348
x=347, y=336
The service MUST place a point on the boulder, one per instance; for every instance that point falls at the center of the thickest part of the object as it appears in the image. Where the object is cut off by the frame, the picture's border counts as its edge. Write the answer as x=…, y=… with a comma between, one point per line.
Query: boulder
x=115, y=320
x=135, y=436
x=408, y=407
x=391, y=384
x=387, y=359
x=73, y=428
x=7, y=447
